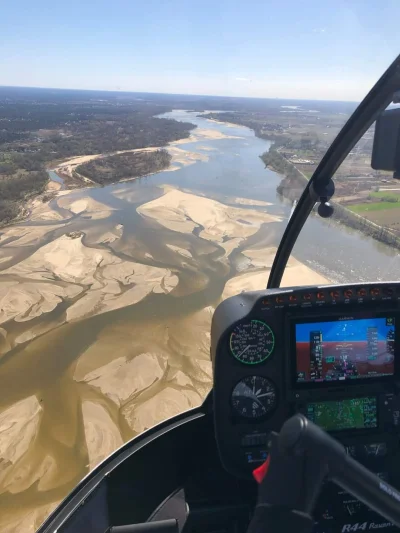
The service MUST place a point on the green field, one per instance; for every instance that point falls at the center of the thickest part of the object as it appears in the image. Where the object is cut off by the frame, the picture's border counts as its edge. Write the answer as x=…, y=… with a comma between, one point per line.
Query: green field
x=376, y=206
x=391, y=196
x=386, y=200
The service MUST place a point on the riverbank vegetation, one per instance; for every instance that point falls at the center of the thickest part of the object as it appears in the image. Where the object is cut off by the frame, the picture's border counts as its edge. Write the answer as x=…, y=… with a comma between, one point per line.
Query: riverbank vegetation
x=277, y=162
x=293, y=182
x=39, y=127
x=300, y=138
x=376, y=215
x=124, y=166
x=379, y=225
x=19, y=179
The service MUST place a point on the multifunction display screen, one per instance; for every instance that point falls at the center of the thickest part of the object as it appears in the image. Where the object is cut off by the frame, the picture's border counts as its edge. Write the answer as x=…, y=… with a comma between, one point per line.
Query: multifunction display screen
x=354, y=413
x=342, y=350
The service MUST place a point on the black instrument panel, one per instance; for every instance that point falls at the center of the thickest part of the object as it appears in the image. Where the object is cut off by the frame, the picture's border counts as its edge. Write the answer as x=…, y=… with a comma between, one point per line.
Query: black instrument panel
x=329, y=352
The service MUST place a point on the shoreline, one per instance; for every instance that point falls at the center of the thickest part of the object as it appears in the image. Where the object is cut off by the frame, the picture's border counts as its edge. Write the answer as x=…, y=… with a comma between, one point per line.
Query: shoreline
x=66, y=168
x=341, y=215
x=79, y=271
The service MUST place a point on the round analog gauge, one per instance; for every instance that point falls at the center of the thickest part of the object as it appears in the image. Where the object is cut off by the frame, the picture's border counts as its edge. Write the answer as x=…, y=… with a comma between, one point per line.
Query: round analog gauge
x=254, y=397
x=252, y=342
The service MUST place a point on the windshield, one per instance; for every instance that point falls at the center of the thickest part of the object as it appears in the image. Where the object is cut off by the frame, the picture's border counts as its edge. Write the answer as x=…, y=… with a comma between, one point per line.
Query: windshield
x=363, y=230
x=142, y=185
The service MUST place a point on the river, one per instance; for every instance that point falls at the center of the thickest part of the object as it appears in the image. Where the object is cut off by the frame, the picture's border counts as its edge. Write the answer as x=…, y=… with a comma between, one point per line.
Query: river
x=234, y=169
x=169, y=328
x=341, y=253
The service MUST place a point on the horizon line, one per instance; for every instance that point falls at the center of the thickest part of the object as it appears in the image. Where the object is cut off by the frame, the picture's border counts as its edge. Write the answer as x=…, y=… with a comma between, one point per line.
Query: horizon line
x=119, y=91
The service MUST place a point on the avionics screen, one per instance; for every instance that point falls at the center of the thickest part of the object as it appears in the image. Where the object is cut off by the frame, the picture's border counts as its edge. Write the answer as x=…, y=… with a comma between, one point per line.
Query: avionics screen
x=354, y=413
x=343, y=350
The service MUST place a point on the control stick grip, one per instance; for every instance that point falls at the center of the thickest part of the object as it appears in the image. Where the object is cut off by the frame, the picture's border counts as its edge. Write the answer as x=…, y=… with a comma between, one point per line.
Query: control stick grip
x=300, y=437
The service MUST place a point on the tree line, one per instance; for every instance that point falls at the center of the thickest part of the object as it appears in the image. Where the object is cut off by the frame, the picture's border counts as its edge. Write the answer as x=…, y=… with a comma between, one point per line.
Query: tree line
x=14, y=190
x=124, y=166
x=34, y=134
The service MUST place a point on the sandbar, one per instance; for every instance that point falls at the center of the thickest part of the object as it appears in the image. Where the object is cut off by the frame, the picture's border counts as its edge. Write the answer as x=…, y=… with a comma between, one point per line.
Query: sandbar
x=64, y=269
x=183, y=212
x=179, y=250
x=165, y=404
x=250, y=201
x=26, y=520
x=256, y=276
x=19, y=425
x=202, y=134
x=122, y=378
x=85, y=205
x=101, y=433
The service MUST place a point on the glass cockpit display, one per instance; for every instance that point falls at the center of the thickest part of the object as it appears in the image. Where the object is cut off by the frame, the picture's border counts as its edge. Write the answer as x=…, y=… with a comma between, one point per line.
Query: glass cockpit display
x=352, y=413
x=342, y=350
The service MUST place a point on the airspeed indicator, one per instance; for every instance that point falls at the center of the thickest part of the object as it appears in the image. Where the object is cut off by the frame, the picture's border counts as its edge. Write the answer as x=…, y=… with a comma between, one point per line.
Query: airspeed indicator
x=252, y=342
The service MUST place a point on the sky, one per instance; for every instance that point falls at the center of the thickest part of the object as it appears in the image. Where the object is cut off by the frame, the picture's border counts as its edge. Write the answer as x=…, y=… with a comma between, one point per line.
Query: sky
x=347, y=330
x=312, y=49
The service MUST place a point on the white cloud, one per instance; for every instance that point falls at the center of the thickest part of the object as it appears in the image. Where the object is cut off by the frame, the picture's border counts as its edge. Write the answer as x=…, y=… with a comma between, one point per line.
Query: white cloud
x=242, y=79
x=319, y=30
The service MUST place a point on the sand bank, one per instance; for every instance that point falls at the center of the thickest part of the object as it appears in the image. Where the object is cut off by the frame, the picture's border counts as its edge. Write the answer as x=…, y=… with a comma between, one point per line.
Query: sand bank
x=86, y=206
x=179, y=250
x=149, y=386
x=26, y=520
x=166, y=404
x=101, y=434
x=259, y=266
x=42, y=211
x=121, y=379
x=24, y=300
x=228, y=124
x=65, y=269
x=110, y=236
x=16, y=236
x=184, y=212
x=250, y=201
x=202, y=134
x=53, y=186
x=182, y=157
x=19, y=425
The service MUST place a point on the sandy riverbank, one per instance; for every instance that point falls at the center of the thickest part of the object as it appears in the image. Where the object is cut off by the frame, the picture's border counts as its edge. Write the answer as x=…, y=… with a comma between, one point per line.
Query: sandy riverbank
x=223, y=123
x=91, y=280
x=183, y=212
x=250, y=201
x=103, y=282
x=180, y=157
x=258, y=268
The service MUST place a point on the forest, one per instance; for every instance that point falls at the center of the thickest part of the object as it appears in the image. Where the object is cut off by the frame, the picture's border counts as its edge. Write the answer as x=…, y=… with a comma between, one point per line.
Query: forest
x=13, y=190
x=124, y=166
x=39, y=130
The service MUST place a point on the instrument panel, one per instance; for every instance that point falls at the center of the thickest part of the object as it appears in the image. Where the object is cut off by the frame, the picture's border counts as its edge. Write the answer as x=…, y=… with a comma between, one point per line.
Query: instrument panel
x=329, y=352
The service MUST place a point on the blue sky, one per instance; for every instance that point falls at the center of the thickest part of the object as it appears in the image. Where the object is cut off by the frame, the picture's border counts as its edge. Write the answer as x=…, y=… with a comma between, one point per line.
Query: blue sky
x=349, y=330
x=270, y=48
